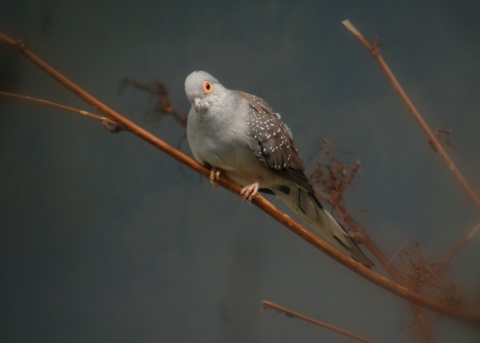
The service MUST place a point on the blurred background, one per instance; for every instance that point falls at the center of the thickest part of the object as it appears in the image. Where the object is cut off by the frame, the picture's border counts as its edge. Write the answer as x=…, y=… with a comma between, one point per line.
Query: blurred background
x=105, y=239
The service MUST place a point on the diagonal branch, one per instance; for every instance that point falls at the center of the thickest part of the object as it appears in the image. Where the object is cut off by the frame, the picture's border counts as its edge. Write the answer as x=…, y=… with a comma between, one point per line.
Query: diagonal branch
x=434, y=141
x=374, y=49
x=291, y=313
x=109, y=124
x=436, y=144
x=335, y=178
x=159, y=90
x=127, y=125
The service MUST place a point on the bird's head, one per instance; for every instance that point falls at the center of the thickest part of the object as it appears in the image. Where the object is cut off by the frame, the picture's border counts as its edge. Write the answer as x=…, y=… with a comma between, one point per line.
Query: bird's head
x=203, y=90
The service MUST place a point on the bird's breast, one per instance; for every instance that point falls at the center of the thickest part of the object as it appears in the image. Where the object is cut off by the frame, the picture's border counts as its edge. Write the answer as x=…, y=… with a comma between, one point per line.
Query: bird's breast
x=223, y=144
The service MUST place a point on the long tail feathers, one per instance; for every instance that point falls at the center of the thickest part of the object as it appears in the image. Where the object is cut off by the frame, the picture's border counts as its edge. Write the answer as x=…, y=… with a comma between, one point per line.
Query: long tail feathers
x=309, y=209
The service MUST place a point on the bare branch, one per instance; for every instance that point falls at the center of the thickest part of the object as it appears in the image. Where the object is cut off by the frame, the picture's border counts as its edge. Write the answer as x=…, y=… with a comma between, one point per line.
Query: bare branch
x=109, y=124
x=291, y=313
x=461, y=243
x=334, y=178
x=437, y=140
x=437, y=145
x=163, y=105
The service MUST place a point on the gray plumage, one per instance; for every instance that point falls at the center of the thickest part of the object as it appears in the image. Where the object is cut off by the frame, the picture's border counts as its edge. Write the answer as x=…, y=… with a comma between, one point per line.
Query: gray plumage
x=240, y=134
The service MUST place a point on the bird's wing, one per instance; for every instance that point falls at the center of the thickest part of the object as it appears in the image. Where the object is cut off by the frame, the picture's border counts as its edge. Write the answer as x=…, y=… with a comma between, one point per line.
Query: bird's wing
x=272, y=143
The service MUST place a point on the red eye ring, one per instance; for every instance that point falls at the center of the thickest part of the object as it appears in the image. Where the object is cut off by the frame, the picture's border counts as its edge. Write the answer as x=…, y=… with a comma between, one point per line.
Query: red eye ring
x=207, y=87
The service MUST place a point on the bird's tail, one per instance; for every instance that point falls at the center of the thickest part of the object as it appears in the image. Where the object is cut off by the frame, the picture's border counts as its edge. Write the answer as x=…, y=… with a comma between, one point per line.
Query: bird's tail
x=309, y=209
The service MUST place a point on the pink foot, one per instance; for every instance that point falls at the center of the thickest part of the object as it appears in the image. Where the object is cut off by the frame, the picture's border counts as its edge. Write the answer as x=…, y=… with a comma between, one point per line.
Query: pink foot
x=214, y=176
x=248, y=192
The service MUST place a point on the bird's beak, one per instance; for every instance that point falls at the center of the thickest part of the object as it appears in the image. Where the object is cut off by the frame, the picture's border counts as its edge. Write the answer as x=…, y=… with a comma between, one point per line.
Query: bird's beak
x=200, y=105
x=196, y=104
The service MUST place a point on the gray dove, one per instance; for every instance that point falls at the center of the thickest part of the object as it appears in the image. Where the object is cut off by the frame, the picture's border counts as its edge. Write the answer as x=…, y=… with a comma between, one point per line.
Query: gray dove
x=240, y=135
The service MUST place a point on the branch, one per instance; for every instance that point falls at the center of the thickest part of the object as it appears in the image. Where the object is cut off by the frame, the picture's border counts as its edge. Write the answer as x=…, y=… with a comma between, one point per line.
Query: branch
x=109, y=124
x=163, y=104
x=374, y=49
x=290, y=313
x=379, y=280
x=460, y=244
x=335, y=177
x=436, y=144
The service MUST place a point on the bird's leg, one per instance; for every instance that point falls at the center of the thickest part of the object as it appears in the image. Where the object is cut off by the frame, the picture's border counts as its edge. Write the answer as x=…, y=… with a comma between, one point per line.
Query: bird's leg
x=248, y=192
x=214, y=177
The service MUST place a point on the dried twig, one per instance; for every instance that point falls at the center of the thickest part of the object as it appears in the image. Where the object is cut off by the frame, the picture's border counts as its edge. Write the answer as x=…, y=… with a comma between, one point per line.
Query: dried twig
x=291, y=313
x=435, y=141
x=436, y=144
x=427, y=276
x=109, y=124
x=472, y=233
x=334, y=178
x=163, y=105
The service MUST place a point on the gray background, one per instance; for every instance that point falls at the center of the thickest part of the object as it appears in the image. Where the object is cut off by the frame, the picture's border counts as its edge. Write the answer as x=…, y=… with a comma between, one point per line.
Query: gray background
x=105, y=239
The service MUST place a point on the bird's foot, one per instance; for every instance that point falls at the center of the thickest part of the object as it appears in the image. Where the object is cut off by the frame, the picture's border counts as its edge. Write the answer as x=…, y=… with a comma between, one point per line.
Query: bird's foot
x=214, y=177
x=248, y=192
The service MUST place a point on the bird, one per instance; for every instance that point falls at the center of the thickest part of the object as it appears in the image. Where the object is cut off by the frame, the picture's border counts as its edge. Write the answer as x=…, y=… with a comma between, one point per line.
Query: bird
x=238, y=134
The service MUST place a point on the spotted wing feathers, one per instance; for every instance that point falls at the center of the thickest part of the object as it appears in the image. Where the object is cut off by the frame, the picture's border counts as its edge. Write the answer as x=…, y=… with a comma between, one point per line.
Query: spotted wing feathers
x=272, y=142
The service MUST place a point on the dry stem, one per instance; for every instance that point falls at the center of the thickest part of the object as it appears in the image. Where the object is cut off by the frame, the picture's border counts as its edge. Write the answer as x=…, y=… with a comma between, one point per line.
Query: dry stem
x=437, y=145
x=335, y=178
x=159, y=90
x=374, y=49
x=291, y=313
x=109, y=124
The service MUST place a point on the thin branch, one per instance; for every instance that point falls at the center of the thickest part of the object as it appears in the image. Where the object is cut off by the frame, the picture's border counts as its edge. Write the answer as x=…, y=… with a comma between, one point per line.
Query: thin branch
x=335, y=177
x=291, y=313
x=159, y=90
x=106, y=122
x=434, y=139
x=379, y=280
x=460, y=244
x=375, y=51
x=437, y=145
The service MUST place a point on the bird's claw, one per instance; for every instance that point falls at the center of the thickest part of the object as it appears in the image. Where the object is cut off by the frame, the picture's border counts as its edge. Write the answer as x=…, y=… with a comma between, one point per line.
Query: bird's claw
x=248, y=192
x=214, y=177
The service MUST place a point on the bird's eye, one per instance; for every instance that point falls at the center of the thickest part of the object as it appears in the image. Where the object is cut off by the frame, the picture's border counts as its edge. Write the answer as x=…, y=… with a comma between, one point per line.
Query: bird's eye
x=207, y=87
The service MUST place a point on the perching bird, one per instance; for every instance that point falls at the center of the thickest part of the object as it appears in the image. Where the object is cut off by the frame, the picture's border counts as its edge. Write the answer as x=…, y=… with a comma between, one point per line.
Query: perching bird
x=240, y=134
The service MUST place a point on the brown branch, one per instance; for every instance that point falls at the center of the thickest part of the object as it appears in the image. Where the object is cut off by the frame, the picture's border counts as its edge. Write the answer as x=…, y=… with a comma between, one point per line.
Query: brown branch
x=335, y=177
x=291, y=313
x=460, y=244
x=436, y=142
x=379, y=280
x=424, y=328
x=109, y=124
x=374, y=49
